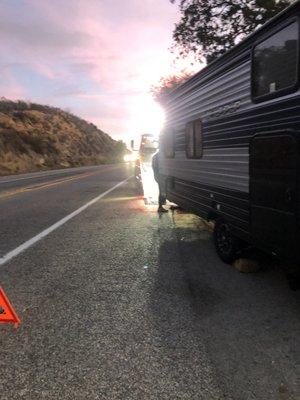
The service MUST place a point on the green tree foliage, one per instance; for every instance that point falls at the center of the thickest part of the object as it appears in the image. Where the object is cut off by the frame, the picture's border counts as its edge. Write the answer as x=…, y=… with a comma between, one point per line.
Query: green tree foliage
x=208, y=28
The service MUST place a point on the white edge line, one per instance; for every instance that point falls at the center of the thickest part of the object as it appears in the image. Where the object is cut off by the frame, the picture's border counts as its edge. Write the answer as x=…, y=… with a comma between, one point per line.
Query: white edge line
x=24, y=246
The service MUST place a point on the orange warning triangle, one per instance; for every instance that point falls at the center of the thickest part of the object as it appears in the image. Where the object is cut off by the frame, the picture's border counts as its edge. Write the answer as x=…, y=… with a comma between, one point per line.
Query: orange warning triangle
x=7, y=313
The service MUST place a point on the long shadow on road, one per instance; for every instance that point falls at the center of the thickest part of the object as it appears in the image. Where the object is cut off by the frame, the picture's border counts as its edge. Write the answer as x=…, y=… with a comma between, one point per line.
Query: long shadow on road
x=239, y=333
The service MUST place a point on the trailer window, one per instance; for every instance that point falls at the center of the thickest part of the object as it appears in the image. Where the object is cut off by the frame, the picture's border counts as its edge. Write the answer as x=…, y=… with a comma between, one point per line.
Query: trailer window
x=275, y=63
x=193, y=139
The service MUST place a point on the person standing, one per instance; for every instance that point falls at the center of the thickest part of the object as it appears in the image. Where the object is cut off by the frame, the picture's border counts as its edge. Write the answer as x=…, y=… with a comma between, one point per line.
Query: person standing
x=160, y=181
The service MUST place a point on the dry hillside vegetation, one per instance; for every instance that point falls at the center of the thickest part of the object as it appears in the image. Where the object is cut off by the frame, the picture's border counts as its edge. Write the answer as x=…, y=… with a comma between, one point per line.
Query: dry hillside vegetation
x=35, y=137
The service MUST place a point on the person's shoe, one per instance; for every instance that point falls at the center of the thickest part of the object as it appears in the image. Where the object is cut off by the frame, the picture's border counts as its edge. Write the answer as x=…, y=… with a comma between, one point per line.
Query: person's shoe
x=161, y=210
x=175, y=207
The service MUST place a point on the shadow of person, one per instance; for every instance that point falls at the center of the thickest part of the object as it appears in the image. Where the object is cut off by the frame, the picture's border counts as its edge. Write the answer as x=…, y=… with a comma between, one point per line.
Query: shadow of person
x=212, y=321
x=179, y=301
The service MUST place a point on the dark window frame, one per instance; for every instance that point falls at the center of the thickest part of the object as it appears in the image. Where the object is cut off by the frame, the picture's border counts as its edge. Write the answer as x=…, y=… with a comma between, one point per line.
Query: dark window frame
x=195, y=155
x=284, y=91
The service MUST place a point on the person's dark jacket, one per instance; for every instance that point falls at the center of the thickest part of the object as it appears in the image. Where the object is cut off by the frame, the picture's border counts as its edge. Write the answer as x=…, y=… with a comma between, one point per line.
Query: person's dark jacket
x=155, y=166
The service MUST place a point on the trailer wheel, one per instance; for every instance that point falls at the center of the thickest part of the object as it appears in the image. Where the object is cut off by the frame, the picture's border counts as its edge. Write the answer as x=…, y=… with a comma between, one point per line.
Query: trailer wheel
x=227, y=245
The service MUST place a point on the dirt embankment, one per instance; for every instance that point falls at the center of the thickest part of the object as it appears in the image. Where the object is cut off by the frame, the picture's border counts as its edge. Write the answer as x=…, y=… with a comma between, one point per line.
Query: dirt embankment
x=34, y=137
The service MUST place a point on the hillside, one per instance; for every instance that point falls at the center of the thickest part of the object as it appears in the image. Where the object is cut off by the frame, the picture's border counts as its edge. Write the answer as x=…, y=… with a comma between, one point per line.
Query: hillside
x=34, y=137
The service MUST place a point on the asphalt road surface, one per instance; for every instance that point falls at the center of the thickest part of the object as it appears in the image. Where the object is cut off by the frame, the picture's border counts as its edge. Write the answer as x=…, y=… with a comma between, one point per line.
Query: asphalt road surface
x=119, y=303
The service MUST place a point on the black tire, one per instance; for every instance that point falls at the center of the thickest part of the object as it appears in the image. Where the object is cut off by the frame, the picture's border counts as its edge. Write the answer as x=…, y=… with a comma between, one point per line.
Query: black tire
x=227, y=245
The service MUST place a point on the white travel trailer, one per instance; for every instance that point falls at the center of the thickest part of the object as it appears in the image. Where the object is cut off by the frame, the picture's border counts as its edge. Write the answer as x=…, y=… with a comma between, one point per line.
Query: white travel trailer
x=231, y=143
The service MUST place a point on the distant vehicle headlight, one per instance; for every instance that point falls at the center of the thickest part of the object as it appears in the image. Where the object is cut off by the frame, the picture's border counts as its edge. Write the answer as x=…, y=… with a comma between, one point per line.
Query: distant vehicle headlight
x=129, y=157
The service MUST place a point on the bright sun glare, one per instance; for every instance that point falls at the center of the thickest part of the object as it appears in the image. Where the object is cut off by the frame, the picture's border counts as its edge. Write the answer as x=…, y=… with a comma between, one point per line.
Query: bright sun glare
x=146, y=116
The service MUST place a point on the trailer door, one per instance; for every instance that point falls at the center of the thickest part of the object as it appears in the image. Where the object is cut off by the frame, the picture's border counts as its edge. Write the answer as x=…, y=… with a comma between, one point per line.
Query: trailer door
x=273, y=193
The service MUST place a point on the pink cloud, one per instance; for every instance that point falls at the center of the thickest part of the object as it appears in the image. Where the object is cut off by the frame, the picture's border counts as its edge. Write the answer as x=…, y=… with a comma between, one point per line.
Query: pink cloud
x=97, y=54
x=10, y=88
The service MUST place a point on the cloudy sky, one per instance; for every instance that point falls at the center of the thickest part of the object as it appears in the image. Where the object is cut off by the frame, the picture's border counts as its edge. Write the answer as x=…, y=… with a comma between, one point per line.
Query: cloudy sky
x=97, y=58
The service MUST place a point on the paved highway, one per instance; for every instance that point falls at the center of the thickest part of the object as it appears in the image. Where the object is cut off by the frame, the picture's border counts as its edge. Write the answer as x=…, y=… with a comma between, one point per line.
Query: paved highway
x=119, y=303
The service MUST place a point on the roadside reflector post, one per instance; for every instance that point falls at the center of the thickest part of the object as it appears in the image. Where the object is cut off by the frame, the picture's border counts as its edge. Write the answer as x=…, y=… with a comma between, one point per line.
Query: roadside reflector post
x=7, y=312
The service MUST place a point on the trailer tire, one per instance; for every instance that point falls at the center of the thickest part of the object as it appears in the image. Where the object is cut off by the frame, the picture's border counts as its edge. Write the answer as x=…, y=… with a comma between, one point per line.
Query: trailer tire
x=227, y=245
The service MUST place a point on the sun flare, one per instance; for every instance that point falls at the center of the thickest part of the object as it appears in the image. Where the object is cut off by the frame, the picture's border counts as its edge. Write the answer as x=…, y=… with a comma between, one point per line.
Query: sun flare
x=146, y=116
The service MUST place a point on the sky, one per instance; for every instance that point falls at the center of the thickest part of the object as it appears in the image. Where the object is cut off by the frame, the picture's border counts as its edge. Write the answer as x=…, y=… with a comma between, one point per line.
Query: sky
x=95, y=58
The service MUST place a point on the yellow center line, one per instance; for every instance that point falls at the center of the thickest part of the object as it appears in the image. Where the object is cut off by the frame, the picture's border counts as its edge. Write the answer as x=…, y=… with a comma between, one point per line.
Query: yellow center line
x=38, y=186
